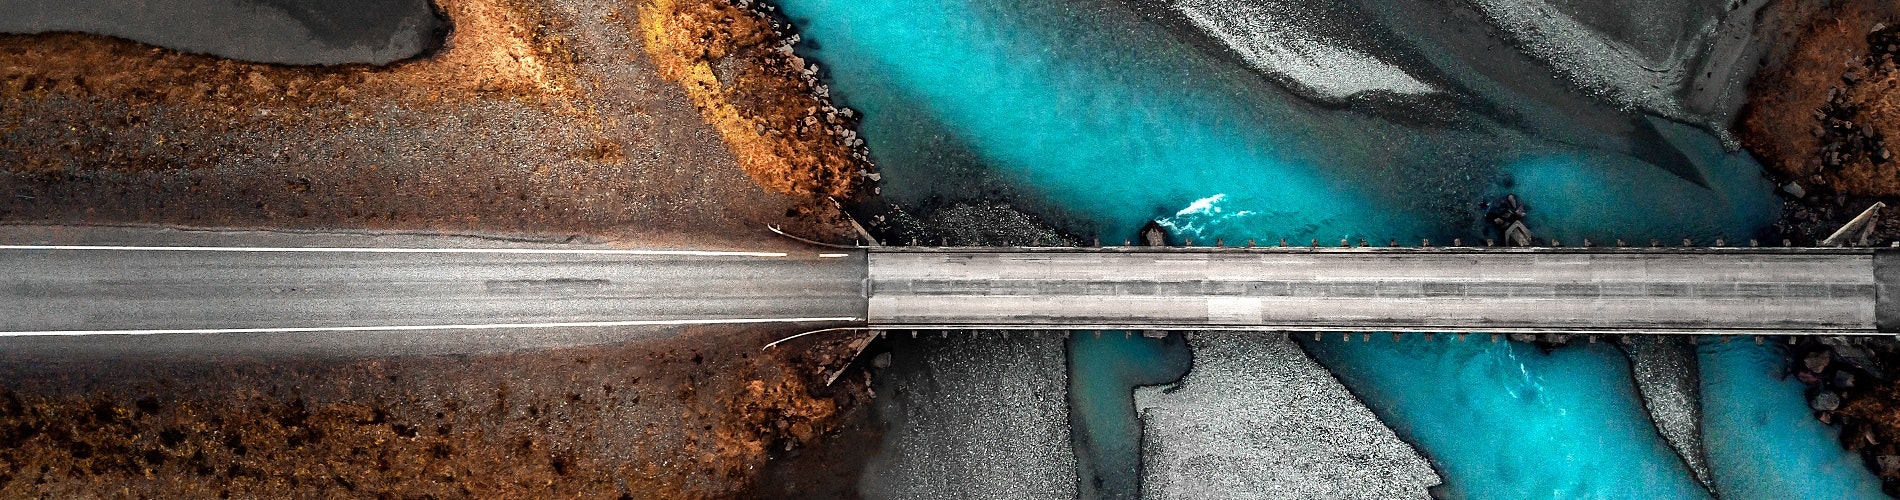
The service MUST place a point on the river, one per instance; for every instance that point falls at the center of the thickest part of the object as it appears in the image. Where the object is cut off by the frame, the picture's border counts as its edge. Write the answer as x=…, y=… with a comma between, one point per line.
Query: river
x=1330, y=121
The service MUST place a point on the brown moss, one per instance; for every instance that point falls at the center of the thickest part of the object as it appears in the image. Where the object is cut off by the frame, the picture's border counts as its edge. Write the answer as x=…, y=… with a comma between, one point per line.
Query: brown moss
x=735, y=64
x=690, y=417
x=1793, y=114
x=500, y=49
x=537, y=116
x=498, y=46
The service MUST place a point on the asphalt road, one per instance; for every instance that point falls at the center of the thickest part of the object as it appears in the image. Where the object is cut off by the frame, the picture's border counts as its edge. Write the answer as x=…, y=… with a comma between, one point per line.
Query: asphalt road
x=330, y=288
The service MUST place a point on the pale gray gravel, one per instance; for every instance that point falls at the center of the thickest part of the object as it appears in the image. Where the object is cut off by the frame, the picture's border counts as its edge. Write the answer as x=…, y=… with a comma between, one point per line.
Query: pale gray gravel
x=1666, y=373
x=1257, y=418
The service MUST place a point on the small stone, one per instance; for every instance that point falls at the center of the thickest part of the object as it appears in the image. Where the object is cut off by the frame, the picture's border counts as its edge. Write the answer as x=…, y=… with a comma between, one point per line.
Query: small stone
x=1889, y=464
x=882, y=361
x=1843, y=380
x=1816, y=361
x=1794, y=189
x=1825, y=401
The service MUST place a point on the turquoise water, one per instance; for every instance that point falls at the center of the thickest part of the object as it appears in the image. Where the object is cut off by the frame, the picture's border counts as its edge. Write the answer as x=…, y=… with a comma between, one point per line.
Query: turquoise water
x=1081, y=108
x=1754, y=423
x=1041, y=96
x=1104, y=371
x=1506, y=420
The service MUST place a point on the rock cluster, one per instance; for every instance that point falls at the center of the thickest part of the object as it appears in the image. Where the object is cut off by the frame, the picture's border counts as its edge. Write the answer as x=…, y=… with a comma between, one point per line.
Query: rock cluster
x=1834, y=368
x=1842, y=140
x=1848, y=387
x=1822, y=112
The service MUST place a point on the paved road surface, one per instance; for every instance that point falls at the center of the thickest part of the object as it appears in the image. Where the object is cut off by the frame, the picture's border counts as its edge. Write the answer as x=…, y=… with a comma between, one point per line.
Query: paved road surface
x=263, y=289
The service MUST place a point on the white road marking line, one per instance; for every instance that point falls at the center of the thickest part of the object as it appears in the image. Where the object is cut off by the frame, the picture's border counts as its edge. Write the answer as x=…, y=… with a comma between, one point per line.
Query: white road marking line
x=489, y=326
x=580, y=251
x=833, y=255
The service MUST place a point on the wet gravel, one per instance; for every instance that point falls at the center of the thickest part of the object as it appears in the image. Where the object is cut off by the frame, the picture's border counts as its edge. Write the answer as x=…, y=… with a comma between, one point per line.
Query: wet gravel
x=974, y=415
x=1666, y=373
x=1257, y=418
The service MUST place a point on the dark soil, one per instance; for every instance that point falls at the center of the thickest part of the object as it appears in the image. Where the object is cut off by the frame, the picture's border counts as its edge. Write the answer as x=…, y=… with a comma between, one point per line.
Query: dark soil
x=693, y=416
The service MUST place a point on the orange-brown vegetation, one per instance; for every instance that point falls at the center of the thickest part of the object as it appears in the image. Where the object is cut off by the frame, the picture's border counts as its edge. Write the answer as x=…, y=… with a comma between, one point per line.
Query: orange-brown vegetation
x=691, y=417
x=738, y=67
x=498, y=46
x=499, y=49
x=537, y=116
x=1806, y=105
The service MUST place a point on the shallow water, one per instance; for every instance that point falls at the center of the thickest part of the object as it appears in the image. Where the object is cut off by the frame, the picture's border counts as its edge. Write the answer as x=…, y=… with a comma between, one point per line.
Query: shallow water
x=1104, y=370
x=1762, y=440
x=1505, y=420
x=1100, y=119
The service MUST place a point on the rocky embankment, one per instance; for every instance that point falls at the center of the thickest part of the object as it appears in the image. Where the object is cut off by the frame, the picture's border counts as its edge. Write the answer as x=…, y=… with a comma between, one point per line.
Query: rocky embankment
x=735, y=60
x=1850, y=387
x=1824, y=117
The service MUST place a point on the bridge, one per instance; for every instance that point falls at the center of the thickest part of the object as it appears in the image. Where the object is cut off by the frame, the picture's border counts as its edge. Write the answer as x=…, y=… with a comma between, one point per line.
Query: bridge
x=181, y=282
x=1723, y=290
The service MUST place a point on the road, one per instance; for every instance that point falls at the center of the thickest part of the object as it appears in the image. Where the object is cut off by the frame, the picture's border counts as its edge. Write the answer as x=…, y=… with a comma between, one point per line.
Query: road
x=1815, y=291
x=374, y=291
x=338, y=289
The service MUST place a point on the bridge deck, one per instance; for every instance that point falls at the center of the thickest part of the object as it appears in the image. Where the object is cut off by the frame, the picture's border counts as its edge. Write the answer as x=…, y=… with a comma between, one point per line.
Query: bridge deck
x=1544, y=290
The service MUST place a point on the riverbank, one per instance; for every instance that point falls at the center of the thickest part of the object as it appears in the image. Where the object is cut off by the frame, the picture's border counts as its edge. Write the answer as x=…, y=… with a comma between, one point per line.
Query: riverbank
x=590, y=421
x=545, y=120
x=534, y=117
x=735, y=61
x=1820, y=115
